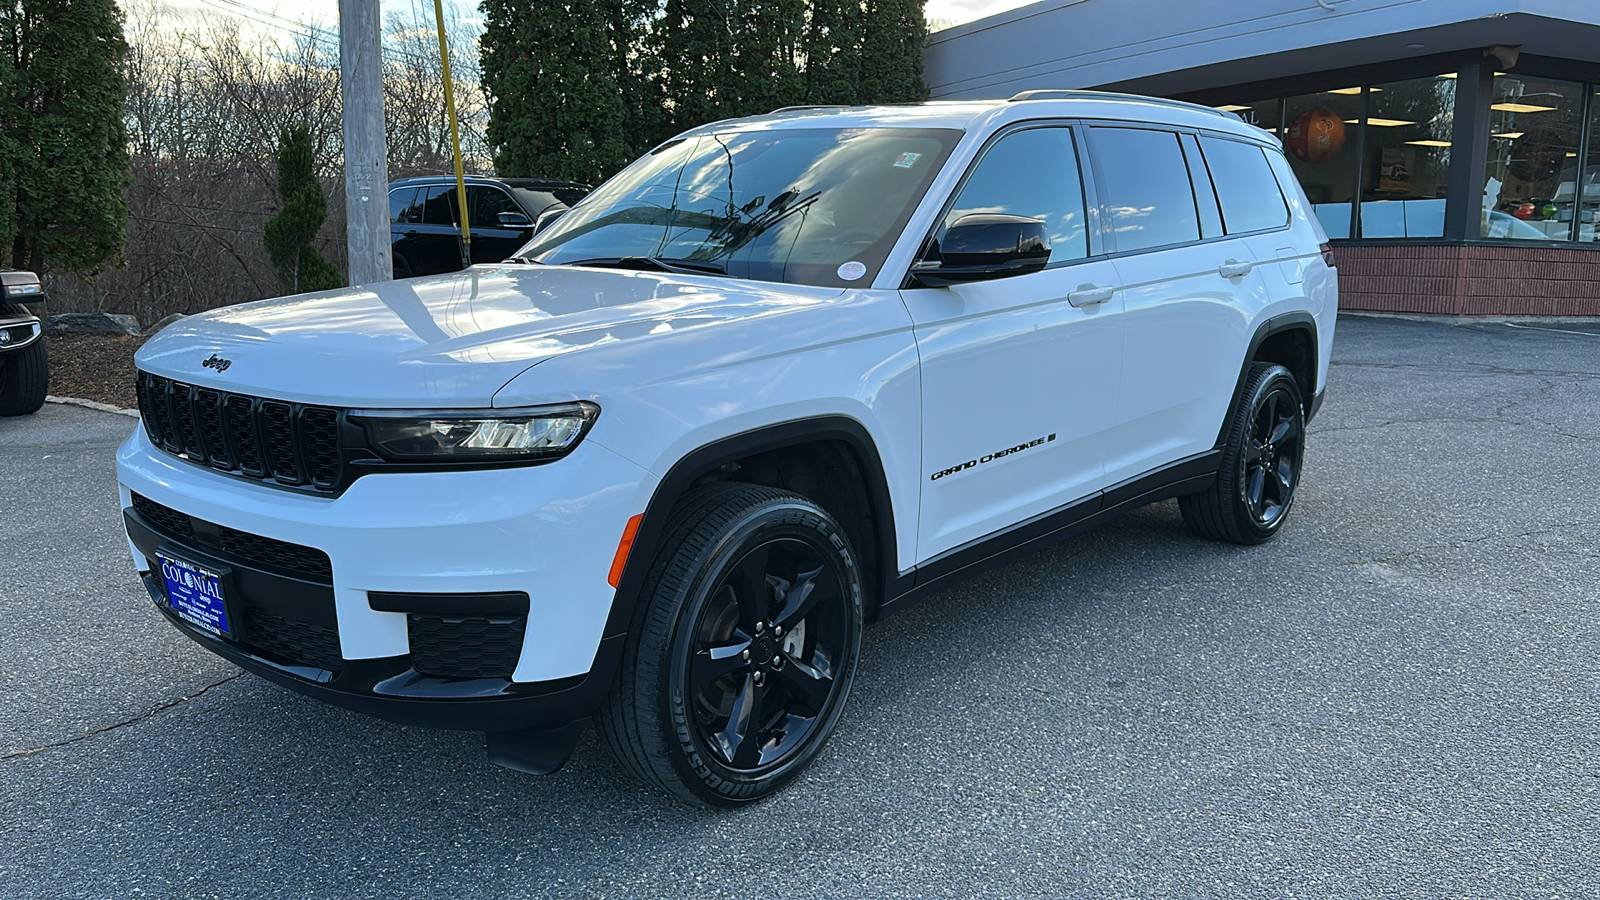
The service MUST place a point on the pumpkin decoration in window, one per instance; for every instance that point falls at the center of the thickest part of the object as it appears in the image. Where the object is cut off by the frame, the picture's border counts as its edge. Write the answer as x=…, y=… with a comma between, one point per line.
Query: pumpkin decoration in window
x=1316, y=135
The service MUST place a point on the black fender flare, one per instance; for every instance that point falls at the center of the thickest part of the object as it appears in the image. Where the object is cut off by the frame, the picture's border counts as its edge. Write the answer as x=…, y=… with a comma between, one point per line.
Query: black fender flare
x=678, y=480
x=1289, y=321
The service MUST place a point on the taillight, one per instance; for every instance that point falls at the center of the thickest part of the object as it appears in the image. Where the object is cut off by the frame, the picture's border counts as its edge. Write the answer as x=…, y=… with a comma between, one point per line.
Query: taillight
x=1327, y=255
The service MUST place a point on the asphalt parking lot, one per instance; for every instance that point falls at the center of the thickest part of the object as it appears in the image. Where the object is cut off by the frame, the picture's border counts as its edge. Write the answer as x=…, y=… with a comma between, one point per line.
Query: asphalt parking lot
x=1398, y=697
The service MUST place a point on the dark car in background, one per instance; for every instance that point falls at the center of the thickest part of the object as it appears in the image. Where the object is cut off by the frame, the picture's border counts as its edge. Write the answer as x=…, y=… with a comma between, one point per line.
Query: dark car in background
x=425, y=231
x=24, y=364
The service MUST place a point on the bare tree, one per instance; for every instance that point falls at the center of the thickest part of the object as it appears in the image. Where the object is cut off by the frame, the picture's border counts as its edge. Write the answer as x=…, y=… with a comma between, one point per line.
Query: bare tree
x=207, y=100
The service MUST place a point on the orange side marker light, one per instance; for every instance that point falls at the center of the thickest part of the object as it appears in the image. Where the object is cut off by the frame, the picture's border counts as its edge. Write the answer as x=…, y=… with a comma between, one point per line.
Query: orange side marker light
x=624, y=546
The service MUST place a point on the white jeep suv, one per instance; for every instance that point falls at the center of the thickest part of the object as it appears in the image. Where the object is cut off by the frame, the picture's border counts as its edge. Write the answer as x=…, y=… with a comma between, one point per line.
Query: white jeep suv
x=780, y=376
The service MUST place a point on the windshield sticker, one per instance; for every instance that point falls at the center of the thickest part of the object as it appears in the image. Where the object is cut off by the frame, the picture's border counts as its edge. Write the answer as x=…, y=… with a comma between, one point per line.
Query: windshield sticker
x=907, y=160
x=852, y=270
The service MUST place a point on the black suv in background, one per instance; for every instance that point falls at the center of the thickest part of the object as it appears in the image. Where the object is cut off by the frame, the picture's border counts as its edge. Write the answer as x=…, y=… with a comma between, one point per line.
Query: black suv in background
x=24, y=365
x=424, y=229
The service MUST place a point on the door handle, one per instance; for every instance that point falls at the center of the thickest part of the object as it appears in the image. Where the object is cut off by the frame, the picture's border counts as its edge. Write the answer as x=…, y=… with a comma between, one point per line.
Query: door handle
x=1089, y=295
x=1235, y=269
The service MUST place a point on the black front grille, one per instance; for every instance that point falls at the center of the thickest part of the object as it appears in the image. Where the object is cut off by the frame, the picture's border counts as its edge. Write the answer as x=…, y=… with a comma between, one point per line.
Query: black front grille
x=465, y=646
x=273, y=552
x=247, y=548
x=295, y=642
x=163, y=517
x=288, y=443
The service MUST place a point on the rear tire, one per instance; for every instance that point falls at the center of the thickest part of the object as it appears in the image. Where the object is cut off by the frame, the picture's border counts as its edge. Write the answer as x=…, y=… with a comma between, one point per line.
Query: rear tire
x=1262, y=454
x=741, y=654
x=24, y=380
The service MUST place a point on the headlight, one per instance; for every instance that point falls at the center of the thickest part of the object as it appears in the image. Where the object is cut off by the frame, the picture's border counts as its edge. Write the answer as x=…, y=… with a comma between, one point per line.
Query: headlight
x=533, y=434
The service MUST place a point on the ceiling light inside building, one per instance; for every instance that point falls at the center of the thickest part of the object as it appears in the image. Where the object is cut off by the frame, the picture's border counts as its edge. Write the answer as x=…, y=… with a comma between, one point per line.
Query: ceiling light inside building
x=1382, y=123
x=1510, y=135
x=1232, y=107
x=1429, y=143
x=1521, y=107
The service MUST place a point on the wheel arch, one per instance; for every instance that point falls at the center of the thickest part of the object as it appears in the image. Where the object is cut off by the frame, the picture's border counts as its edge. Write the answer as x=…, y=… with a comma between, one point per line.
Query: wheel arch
x=1289, y=340
x=719, y=460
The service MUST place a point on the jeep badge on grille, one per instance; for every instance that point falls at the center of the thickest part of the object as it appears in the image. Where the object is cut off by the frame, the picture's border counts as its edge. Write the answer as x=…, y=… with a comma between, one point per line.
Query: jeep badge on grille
x=218, y=363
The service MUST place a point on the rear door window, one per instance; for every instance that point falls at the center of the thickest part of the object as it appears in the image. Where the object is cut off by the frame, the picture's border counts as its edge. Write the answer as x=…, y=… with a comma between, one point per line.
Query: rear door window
x=400, y=205
x=1034, y=174
x=487, y=203
x=439, y=205
x=1148, y=198
x=1246, y=188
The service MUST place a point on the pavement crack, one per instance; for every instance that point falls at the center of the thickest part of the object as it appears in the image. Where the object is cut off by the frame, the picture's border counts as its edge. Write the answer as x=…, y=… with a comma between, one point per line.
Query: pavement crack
x=161, y=707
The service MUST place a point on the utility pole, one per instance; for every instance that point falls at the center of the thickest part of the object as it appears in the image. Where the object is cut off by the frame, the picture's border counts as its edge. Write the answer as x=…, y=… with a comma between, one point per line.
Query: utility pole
x=366, y=155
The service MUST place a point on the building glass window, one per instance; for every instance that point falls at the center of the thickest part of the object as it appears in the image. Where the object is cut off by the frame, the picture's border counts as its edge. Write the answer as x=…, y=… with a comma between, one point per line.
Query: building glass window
x=1407, y=158
x=1531, y=181
x=1587, y=211
x=1320, y=135
x=1262, y=113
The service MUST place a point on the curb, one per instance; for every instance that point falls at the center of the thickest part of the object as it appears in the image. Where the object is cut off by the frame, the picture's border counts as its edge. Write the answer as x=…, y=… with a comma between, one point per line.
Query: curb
x=91, y=404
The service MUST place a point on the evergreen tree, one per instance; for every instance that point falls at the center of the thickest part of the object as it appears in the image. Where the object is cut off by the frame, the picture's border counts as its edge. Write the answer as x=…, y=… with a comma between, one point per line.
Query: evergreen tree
x=578, y=88
x=63, y=148
x=289, y=234
x=765, y=69
x=832, y=44
x=555, y=76
x=892, y=37
x=693, y=44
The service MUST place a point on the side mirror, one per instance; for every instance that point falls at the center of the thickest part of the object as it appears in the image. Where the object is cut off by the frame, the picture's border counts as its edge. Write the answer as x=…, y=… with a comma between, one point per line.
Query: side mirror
x=983, y=246
x=20, y=287
x=549, y=217
x=514, y=220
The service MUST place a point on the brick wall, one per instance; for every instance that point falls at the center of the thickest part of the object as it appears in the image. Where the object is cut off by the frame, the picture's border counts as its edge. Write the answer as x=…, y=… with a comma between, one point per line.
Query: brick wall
x=1470, y=280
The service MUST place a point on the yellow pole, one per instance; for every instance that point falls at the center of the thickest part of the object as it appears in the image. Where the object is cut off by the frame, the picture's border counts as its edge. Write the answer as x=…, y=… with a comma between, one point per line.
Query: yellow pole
x=455, y=136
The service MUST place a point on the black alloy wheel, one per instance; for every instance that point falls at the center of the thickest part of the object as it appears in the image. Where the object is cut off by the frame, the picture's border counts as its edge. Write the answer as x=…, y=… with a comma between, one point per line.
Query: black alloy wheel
x=1272, y=457
x=1263, y=449
x=761, y=662
x=742, y=651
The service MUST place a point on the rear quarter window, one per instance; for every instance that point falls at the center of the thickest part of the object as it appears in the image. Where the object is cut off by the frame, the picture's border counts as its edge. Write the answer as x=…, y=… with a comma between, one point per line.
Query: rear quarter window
x=1246, y=188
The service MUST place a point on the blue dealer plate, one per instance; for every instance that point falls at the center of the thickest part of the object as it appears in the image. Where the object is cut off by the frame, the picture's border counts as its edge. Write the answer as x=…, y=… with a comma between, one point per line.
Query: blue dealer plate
x=195, y=594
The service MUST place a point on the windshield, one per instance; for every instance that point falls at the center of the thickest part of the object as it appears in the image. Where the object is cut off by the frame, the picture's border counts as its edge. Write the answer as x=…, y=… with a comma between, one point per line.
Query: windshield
x=805, y=206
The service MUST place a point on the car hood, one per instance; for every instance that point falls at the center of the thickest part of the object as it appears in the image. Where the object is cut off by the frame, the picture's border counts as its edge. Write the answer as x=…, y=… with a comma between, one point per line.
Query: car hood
x=447, y=340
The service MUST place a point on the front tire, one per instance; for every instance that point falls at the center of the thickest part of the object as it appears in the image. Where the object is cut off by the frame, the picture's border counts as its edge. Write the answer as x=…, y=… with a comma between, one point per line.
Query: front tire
x=1262, y=455
x=24, y=380
x=741, y=656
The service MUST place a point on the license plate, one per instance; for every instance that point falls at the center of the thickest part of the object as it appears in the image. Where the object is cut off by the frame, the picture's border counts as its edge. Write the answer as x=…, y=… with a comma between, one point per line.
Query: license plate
x=195, y=595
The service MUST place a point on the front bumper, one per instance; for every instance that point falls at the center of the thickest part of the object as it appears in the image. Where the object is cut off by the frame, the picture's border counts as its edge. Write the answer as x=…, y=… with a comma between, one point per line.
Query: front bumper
x=300, y=570
x=17, y=330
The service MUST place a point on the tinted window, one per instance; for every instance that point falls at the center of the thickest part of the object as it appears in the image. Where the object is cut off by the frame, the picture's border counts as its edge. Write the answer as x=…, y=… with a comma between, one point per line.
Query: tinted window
x=540, y=199
x=1204, y=196
x=1148, y=195
x=1031, y=173
x=488, y=203
x=400, y=203
x=439, y=205
x=1249, y=194
x=804, y=205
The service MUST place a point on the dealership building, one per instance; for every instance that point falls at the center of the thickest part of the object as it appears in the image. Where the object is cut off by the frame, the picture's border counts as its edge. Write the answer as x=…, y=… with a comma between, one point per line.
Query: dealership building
x=1451, y=148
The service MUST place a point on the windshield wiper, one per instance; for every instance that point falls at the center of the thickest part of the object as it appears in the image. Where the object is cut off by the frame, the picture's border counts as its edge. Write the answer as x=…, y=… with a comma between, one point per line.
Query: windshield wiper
x=654, y=263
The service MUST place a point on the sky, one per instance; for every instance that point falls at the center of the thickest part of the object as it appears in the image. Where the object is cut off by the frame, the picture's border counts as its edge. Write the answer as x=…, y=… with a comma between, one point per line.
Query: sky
x=270, y=14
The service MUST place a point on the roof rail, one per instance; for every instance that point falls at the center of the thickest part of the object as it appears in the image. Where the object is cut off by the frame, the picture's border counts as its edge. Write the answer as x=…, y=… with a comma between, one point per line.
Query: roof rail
x=813, y=106
x=1049, y=94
